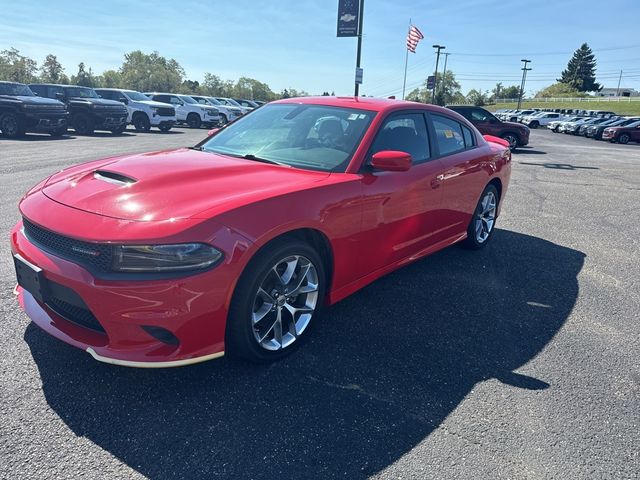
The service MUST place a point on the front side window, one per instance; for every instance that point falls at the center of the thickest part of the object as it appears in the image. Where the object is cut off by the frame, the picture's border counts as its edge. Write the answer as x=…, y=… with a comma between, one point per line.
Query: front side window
x=135, y=96
x=405, y=133
x=55, y=90
x=449, y=136
x=480, y=115
x=314, y=137
x=187, y=99
x=80, y=92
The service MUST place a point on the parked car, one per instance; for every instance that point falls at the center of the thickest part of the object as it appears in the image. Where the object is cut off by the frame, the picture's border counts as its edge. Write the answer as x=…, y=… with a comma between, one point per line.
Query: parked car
x=230, y=102
x=558, y=125
x=626, y=134
x=524, y=113
x=573, y=128
x=246, y=103
x=87, y=111
x=541, y=119
x=188, y=110
x=517, y=135
x=234, y=245
x=143, y=113
x=227, y=113
x=582, y=129
x=567, y=127
x=595, y=131
x=22, y=111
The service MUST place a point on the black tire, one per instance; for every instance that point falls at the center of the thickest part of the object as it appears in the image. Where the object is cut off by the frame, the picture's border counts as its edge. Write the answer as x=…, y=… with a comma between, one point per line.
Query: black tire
x=141, y=122
x=164, y=128
x=83, y=124
x=240, y=337
x=194, y=120
x=11, y=126
x=512, y=138
x=59, y=132
x=473, y=240
x=119, y=130
x=223, y=119
x=535, y=124
x=624, y=138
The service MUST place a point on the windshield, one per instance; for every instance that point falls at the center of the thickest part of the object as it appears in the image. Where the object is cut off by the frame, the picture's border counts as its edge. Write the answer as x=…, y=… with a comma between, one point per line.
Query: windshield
x=213, y=101
x=634, y=124
x=230, y=101
x=81, y=92
x=136, y=96
x=16, y=89
x=314, y=137
x=187, y=99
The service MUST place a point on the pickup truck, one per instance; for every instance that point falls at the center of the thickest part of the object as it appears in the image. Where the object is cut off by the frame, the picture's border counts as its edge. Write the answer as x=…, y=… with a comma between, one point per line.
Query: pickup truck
x=143, y=113
x=88, y=112
x=23, y=111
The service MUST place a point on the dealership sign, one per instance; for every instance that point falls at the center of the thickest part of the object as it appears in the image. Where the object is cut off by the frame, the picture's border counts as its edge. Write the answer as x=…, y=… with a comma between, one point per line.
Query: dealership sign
x=348, y=13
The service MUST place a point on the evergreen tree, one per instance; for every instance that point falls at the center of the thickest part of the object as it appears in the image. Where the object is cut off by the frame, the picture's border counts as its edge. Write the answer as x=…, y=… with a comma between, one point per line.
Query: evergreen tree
x=580, y=73
x=84, y=78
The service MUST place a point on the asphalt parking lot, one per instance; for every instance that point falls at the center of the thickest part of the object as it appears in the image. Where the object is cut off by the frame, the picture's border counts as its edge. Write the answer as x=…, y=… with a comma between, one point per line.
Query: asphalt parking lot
x=518, y=361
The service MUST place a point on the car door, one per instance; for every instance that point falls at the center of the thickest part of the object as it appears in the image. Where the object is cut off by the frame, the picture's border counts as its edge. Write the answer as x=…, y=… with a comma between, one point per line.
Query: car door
x=401, y=210
x=464, y=176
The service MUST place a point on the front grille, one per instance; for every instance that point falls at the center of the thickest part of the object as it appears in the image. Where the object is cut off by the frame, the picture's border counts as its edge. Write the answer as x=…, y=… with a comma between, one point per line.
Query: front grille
x=166, y=112
x=74, y=313
x=97, y=256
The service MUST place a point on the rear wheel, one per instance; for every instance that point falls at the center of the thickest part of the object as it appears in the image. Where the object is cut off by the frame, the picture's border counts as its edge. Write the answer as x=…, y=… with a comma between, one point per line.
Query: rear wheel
x=194, y=120
x=534, y=124
x=83, y=124
x=11, y=126
x=482, y=223
x=624, y=138
x=275, y=301
x=141, y=122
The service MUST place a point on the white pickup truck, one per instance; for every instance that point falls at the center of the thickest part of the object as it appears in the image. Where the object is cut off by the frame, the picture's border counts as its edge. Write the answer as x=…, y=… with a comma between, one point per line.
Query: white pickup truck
x=542, y=119
x=188, y=110
x=143, y=113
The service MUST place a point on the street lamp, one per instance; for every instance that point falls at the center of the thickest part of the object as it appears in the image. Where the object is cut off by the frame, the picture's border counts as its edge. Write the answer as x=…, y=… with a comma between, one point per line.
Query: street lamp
x=435, y=83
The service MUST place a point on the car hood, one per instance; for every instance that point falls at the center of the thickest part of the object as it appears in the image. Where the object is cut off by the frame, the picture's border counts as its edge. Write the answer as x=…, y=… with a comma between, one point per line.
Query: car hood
x=153, y=103
x=33, y=99
x=172, y=184
x=97, y=101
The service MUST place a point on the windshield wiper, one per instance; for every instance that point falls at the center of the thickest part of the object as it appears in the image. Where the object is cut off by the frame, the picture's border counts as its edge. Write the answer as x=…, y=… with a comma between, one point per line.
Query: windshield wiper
x=251, y=156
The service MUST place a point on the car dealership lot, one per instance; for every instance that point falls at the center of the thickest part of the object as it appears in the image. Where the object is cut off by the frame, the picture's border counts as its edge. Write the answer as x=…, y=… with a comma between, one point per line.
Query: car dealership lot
x=518, y=361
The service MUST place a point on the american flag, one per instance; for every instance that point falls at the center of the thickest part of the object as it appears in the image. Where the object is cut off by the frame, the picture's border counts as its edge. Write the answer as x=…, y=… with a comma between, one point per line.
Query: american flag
x=413, y=37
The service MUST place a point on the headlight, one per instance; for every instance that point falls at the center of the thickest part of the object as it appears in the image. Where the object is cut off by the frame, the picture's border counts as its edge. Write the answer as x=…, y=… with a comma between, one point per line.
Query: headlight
x=164, y=258
x=28, y=106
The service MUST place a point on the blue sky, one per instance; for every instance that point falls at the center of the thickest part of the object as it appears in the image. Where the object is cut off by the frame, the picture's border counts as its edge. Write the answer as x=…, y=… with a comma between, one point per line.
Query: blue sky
x=294, y=44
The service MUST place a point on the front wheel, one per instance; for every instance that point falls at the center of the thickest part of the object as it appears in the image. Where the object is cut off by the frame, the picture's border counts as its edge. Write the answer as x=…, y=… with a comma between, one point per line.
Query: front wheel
x=534, y=124
x=141, y=122
x=512, y=139
x=82, y=124
x=275, y=301
x=10, y=126
x=194, y=120
x=624, y=138
x=164, y=128
x=58, y=132
x=119, y=130
x=483, y=220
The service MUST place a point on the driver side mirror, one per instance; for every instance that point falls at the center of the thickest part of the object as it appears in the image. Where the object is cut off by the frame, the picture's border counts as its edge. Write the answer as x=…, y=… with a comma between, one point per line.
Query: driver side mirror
x=59, y=96
x=123, y=100
x=391, y=161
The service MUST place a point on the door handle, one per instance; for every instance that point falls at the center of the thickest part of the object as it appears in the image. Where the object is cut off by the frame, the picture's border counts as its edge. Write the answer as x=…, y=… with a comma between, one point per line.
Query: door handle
x=436, y=181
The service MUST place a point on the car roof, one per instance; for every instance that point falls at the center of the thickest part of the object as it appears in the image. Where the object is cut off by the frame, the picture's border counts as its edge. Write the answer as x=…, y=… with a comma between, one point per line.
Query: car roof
x=363, y=103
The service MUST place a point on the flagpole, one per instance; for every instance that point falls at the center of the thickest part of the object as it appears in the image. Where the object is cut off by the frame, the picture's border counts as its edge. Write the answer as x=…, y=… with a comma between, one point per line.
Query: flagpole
x=406, y=61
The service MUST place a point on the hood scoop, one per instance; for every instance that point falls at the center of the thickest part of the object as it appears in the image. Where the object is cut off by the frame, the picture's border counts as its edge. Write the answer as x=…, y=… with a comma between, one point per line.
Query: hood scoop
x=113, y=177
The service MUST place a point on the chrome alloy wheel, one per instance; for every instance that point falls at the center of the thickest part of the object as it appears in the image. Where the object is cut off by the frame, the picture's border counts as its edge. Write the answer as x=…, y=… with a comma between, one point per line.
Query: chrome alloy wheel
x=285, y=302
x=485, y=217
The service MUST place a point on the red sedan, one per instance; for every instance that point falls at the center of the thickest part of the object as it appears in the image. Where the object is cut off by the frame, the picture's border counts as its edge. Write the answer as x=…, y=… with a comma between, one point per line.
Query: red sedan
x=175, y=257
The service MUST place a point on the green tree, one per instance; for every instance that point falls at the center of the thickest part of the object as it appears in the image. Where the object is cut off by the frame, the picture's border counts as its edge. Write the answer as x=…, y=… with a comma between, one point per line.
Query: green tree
x=151, y=72
x=511, y=92
x=581, y=71
x=110, y=79
x=477, y=97
x=559, y=90
x=51, y=70
x=17, y=68
x=448, y=91
x=190, y=87
x=83, y=78
x=212, y=85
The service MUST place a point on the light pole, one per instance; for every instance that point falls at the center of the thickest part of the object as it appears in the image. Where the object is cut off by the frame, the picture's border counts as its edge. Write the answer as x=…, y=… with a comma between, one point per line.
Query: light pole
x=444, y=72
x=435, y=83
x=359, y=53
x=524, y=78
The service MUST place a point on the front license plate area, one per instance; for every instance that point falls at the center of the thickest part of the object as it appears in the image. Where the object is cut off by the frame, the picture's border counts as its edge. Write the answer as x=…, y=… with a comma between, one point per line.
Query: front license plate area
x=31, y=278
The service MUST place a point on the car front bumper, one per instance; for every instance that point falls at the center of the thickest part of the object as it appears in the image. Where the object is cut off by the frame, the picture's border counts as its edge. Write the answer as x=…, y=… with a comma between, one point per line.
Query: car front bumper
x=129, y=322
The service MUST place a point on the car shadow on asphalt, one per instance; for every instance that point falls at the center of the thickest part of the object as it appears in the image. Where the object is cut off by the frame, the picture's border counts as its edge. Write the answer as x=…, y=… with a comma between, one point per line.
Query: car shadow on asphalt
x=383, y=369
x=559, y=166
x=528, y=151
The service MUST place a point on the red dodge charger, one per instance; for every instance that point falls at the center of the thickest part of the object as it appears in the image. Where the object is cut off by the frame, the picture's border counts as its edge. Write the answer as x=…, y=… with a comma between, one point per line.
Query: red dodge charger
x=175, y=257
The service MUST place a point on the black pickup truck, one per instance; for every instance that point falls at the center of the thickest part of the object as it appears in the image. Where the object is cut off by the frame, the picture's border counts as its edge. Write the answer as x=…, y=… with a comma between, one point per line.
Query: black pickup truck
x=22, y=111
x=87, y=111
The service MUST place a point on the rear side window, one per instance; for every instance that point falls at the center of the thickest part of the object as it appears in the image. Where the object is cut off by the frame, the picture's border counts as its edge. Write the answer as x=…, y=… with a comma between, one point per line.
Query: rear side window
x=39, y=89
x=468, y=137
x=449, y=136
x=405, y=133
x=53, y=90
